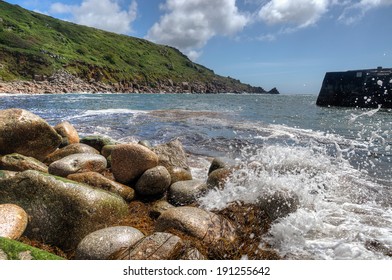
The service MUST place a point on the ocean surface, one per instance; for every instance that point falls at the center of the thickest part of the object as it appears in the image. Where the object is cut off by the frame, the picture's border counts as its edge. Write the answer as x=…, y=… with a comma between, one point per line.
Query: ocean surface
x=337, y=160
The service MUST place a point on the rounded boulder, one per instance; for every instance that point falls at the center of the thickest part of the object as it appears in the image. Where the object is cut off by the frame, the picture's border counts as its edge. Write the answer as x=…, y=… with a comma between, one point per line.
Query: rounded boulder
x=77, y=148
x=204, y=225
x=154, y=181
x=101, y=244
x=78, y=163
x=26, y=133
x=186, y=192
x=68, y=133
x=130, y=161
x=157, y=246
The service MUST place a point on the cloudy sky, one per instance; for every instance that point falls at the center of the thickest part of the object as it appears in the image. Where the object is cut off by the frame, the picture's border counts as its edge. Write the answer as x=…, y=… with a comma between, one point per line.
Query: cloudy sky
x=289, y=44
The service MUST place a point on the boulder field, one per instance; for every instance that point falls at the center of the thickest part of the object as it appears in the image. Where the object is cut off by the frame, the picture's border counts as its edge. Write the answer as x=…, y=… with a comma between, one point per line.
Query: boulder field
x=92, y=197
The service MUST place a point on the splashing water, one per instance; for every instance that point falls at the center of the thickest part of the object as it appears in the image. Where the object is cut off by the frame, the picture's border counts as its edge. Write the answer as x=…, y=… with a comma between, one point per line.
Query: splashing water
x=339, y=206
x=336, y=160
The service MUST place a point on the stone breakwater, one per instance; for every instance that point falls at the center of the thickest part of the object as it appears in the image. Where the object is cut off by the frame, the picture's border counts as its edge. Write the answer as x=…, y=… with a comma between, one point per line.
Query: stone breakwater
x=95, y=198
x=64, y=82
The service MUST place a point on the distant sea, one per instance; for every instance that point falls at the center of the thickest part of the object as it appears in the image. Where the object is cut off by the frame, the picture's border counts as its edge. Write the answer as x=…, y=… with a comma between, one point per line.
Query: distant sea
x=337, y=160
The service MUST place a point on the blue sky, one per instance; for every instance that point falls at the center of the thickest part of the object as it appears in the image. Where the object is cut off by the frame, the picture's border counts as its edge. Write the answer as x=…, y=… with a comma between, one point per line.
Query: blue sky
x=288, y=44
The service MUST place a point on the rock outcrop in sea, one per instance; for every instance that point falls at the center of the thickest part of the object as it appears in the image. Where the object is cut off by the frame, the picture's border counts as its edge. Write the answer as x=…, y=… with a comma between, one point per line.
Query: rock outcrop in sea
x=58, y=193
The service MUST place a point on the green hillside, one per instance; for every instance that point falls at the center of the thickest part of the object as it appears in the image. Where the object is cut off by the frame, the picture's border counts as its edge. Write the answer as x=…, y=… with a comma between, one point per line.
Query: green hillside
x=33, y=44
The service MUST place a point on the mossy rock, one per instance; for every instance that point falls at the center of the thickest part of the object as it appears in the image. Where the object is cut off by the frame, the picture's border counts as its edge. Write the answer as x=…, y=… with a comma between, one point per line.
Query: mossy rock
x=98, y=141
x=15, y=250
x=61, y=212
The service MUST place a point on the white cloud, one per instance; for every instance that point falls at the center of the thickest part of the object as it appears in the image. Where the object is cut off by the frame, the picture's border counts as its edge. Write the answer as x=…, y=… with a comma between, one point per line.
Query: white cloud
x=299, y=13
x=266, y=37
x=103, y=14
x=60, y=8
x=355, y=11
x=188, y=25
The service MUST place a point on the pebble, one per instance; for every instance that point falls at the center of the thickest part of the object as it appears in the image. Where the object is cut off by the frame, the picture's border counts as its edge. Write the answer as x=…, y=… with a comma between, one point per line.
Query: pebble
x=217, y=178
x=216, y=163
x=172, y=155
x=186, y=192
x=101, y=244
x=98, y=141
x=179, y=174
x=158, y=207
x=158, y=246
x=78, y=163
x=13, y=221
x=154, y=181
x=279, y=204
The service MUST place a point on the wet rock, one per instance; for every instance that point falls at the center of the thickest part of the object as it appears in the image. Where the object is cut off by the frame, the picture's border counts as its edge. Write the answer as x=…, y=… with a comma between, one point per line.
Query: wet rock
x=98, y=141
x=204, y=225
x=155, y=181
x=99, y=181
x=61, y=212
x=101, y=244
x=130, y=161
x=27, y=134
x=172, y=155
x=216, y=163
x=14, y=250
x=218, y=178
x=179, y=174
x=158, y=207
x=17, y=162
x=68, y=133
x=378, y=247
x=186, y=192
x=158, y=246
x=71, y=149
x=77, y=163
x=279, y=204
x=13, y=221
x=145, y=143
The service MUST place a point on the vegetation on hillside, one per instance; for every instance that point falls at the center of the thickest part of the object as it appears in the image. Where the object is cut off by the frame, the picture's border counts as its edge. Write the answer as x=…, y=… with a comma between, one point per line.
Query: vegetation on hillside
x=33, y=44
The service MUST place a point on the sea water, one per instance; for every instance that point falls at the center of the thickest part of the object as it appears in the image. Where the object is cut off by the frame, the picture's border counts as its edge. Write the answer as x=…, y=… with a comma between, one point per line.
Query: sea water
x=336, y=160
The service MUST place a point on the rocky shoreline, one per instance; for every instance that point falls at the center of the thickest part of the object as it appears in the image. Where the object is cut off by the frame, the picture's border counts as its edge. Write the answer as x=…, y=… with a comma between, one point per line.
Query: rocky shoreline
x=64, y=82
x=95, y=198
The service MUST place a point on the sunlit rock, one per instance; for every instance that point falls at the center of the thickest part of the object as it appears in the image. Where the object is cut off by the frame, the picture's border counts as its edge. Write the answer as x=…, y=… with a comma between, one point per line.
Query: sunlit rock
x=77, y=163
x=101, y=244
x=25, y=133
x=61, y=212
x=18, y=162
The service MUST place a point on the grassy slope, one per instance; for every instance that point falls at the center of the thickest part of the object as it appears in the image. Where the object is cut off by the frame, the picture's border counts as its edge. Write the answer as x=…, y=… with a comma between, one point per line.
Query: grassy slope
x=35, y=44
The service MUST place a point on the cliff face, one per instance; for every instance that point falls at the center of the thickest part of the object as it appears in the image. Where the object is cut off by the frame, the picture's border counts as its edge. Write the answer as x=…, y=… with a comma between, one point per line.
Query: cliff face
x=35, y=47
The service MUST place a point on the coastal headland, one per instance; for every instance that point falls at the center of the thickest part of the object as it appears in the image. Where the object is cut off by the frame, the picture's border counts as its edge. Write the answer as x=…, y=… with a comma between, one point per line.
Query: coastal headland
x=41, y=54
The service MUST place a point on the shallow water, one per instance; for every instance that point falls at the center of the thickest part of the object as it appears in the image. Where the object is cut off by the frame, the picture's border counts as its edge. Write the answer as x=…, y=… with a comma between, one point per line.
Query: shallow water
x=337, y=160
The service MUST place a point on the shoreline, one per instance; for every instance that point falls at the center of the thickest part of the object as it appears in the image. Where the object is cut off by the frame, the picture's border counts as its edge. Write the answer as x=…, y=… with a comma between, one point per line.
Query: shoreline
x=112, y=189
x=64, y=82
